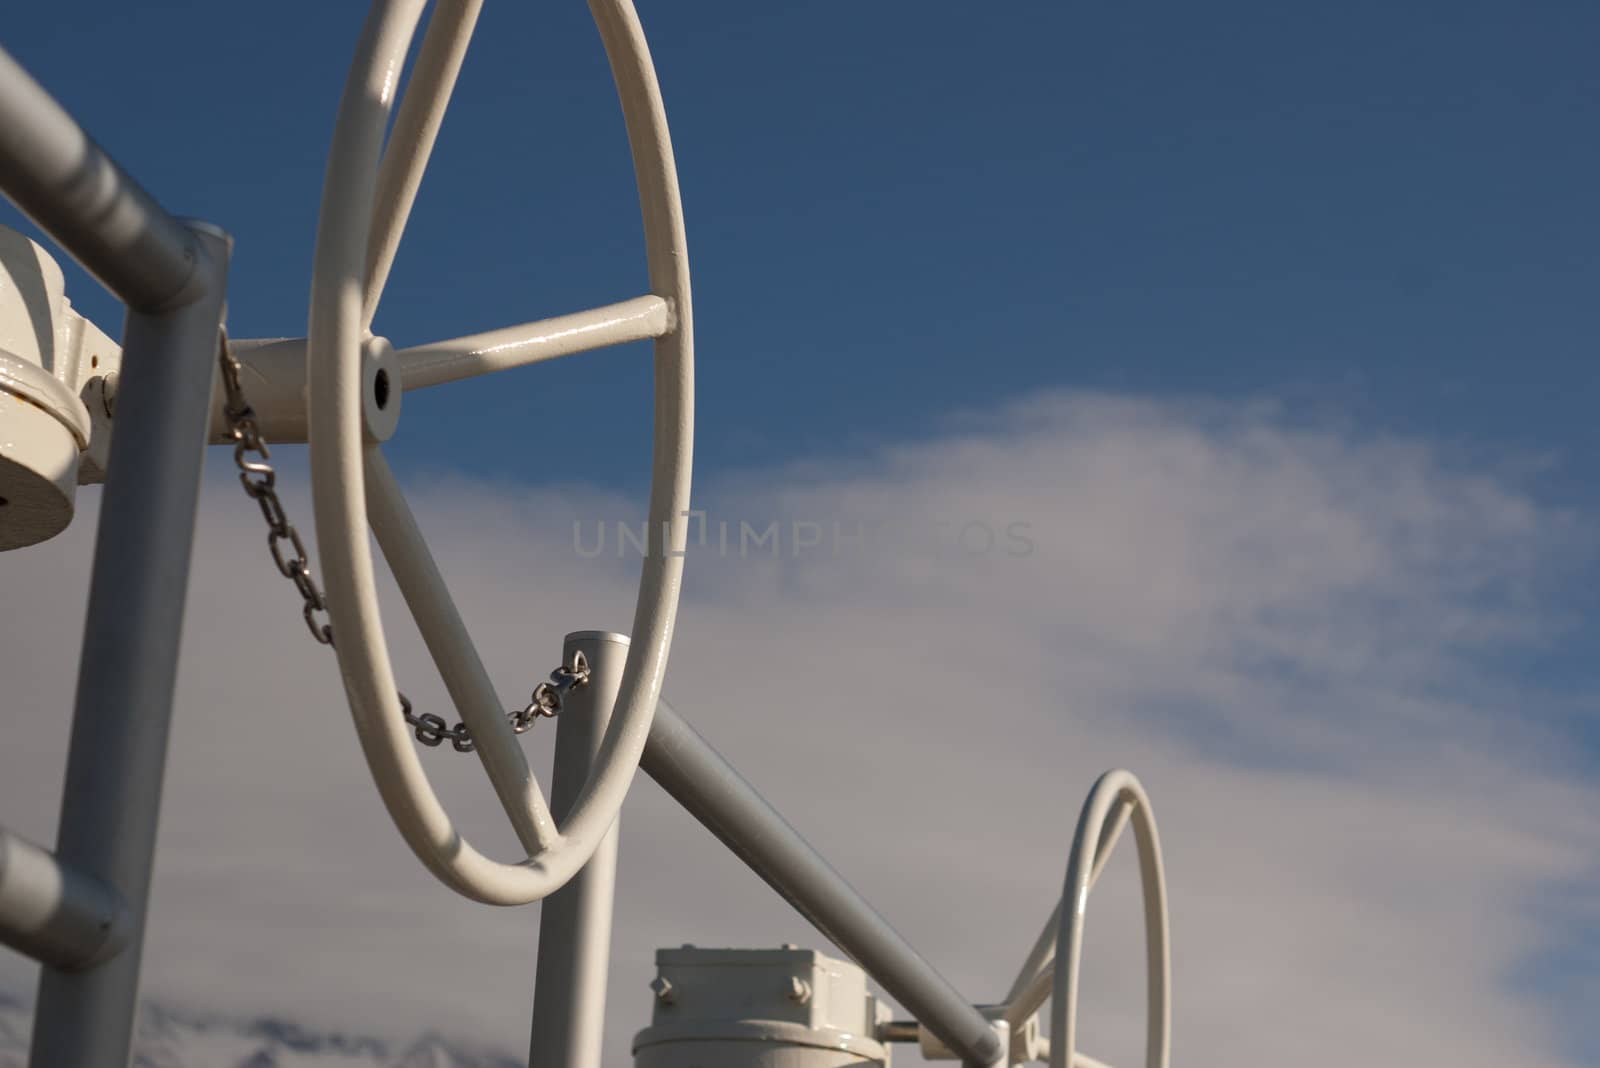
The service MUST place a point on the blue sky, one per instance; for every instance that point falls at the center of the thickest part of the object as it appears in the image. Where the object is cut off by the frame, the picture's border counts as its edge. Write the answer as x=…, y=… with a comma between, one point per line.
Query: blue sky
x=1363, y=234
x=1379, y=211
x=1377, y=216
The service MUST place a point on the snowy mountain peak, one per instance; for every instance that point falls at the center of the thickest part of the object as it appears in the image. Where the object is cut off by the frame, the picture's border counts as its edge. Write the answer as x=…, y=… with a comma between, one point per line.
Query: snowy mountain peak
x=169, y=1038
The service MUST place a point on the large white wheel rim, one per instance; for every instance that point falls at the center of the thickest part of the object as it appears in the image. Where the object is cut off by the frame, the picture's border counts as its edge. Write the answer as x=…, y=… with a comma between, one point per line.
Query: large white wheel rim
x=352, y=484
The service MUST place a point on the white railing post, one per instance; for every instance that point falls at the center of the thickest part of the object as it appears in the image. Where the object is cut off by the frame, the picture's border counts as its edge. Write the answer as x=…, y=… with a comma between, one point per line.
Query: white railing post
x=569, y=999
x=129, y=663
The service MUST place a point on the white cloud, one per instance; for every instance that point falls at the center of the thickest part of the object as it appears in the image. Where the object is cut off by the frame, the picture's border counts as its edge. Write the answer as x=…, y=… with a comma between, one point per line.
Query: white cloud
x=1291, y=634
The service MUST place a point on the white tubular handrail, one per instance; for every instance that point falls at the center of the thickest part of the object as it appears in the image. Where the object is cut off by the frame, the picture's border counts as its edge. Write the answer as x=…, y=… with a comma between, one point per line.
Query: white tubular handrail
x=1051, y=967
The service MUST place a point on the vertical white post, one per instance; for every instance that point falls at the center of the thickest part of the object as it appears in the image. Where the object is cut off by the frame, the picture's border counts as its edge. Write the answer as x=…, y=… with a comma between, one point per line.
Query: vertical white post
x=575, y=922
x=130, y=652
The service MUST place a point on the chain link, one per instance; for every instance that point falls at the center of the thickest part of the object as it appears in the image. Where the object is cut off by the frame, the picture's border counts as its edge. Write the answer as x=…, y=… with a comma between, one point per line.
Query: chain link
x=260, y=481
x=547, y=696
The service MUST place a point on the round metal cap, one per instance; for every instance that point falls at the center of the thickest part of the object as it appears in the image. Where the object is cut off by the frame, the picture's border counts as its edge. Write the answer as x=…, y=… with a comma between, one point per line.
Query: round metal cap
x=38, y=473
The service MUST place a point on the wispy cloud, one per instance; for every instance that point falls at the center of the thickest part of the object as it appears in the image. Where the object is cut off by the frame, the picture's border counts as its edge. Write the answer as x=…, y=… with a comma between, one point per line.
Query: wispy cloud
x=1297, y=636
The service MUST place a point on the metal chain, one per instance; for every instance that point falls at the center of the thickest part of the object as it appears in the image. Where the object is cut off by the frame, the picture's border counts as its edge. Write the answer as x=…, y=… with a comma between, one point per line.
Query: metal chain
x=260, y=484
x=548, y=695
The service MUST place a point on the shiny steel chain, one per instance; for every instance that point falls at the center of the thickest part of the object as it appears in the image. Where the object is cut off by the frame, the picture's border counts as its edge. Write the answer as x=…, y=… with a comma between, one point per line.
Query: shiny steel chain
x=260, y=482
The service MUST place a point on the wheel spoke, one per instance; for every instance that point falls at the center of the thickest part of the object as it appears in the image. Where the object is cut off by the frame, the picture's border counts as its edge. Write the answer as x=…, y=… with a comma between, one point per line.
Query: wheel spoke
x=1035, y=973
x=546, y=339
x=453, y=652
x=405, y=156
x=1110, y=833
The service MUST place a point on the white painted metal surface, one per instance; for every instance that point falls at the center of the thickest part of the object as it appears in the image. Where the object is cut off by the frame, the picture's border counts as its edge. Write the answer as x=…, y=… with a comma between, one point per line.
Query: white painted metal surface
x=273, y=370
x=760, y=1008
x=46, y=350
x=38, y=460
x=638, y=319
x=78, y=195
x=111, y=799
x=1116, y=799
x=54, y=913
x=569, y=996
x=712, y=790
x=172, y=275
x=1032, y=985
x=368, y=193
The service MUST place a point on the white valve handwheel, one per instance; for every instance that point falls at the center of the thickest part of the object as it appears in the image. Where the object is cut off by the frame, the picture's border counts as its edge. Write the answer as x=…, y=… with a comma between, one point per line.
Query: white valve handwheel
x=353, y=406
x=1115, y=797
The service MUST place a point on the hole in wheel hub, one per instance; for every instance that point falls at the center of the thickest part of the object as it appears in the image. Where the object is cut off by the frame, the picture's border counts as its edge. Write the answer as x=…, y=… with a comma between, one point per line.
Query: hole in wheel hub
x=383, y=390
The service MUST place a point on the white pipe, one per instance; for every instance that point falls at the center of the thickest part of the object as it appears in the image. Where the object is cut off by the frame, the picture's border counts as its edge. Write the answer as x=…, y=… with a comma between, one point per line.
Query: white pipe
x=112, y=795
x=496, y=350
x=62, y=180
x=273, y=370
x=53, y=913
x=569, y=993
x=703, y=782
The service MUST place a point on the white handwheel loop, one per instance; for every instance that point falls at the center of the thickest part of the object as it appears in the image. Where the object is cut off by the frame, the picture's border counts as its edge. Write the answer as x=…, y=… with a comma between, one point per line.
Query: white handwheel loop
x=352, y=484
x=1115, y=796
